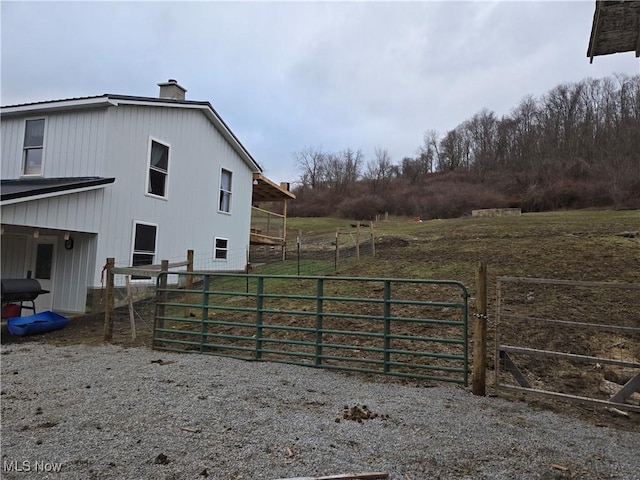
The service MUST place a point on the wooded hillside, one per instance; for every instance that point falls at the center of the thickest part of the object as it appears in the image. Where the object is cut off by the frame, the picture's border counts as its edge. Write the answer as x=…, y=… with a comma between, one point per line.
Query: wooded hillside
x=577, y=146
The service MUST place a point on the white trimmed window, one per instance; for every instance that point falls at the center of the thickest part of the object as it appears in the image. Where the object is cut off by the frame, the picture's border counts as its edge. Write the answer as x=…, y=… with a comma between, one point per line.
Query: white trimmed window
x=221, y=248
x=224, y=204
x=144, y=245
x=157, y=180
x=33, y=147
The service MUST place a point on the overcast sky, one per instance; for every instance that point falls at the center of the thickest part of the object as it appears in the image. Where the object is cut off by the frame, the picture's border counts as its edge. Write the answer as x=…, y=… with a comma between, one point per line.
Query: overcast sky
x=290, y=75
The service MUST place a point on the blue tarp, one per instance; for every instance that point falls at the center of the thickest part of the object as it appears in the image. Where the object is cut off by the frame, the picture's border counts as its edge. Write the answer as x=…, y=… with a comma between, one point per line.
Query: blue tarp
x=38, y=323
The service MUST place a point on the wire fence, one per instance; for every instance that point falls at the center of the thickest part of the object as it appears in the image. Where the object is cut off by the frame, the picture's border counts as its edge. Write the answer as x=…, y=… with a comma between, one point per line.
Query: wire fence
x=313, y=257
x=132, y=297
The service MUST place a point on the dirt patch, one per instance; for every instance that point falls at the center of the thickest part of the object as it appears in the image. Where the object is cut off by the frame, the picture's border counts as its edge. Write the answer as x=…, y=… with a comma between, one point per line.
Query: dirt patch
x=88, y=330
x=391, y=242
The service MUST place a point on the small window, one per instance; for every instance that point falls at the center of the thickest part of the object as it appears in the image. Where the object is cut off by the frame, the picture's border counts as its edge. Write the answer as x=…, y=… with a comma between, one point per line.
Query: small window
x=44, y=261
x=225, y=191
x=144, y=246
x=158, y=169
x=33, y=147
x=221, y=249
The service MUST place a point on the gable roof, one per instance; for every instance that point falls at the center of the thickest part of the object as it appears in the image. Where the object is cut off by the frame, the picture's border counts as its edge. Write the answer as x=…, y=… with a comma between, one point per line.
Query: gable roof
x=113, y=100
x=15, y=191
x=615, y=28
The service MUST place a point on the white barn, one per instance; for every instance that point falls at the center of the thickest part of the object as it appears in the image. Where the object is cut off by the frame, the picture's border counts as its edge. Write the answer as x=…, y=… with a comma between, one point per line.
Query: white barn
x=139, y=179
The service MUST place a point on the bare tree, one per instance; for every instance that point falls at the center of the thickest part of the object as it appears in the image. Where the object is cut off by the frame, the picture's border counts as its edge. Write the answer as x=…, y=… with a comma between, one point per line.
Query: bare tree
x=343, y=169
x=454, y=150
x=428, y=151
x=312, y=164
x=379, y=171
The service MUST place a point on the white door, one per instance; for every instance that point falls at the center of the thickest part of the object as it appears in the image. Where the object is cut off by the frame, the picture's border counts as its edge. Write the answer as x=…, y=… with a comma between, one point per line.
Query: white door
x=43, y=262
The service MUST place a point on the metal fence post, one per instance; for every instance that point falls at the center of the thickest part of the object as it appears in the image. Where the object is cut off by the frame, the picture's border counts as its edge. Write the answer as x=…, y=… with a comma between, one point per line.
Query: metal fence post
x=259, y=308
x=188, y=285
x=319, y=320
x=387, y=326
x=204, y=328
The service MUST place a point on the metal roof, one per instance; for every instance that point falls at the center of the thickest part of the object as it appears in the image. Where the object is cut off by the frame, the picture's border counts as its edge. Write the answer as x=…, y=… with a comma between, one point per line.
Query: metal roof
x=15, y=191
x=615, y=28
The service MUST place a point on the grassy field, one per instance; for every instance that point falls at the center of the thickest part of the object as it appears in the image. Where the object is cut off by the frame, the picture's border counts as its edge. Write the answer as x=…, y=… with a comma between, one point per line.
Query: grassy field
x=587, y=246
x=576, y=245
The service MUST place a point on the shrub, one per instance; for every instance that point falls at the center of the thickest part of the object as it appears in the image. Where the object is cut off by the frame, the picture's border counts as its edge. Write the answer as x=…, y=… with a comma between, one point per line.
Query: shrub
x=363, y=207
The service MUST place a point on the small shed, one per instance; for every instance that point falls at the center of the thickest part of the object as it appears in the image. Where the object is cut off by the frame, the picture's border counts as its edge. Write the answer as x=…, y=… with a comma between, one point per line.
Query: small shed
x=615, y=28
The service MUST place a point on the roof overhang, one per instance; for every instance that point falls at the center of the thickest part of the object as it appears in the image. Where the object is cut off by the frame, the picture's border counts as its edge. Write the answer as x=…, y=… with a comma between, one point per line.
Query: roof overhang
x=615, y=28
x=54, y=106
x=264, y=190
x=27, y=189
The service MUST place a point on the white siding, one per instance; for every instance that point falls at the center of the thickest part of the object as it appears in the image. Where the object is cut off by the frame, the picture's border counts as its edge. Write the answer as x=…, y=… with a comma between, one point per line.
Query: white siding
x=11, y=142
x=188, y=218
x=74, y=144
x=114, y=142
x=14, y=254
x=80, y=212
x=74, y=271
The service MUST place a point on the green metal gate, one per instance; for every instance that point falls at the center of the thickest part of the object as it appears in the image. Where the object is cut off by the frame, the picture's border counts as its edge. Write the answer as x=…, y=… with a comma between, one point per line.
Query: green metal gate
x=402, y=327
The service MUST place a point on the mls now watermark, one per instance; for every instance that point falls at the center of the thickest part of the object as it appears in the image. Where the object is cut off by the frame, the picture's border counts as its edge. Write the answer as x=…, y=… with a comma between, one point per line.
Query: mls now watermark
x=30, y=466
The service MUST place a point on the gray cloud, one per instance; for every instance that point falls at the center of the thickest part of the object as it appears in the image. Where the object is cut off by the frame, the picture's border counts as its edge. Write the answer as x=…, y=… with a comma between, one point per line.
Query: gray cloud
x=287, y=75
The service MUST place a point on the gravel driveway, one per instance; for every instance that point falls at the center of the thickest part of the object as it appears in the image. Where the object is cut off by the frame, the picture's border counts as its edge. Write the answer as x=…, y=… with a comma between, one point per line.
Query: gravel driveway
x=109, y=412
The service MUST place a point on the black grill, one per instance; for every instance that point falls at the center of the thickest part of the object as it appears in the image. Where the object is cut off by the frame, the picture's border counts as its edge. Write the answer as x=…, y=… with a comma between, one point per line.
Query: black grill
x=21, y=290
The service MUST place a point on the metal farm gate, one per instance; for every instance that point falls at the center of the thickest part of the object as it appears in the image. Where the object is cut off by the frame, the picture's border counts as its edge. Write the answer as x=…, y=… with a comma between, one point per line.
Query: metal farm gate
x=401, y=327
x=567, y=339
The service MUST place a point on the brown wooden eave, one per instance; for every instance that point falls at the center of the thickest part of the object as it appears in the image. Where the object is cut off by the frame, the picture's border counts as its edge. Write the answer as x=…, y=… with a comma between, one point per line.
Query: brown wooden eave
x=264, y=190
x=615, y=28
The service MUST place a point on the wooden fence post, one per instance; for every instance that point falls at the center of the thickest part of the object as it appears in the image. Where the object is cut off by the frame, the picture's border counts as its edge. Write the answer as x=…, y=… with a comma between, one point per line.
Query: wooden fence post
x=109, y=307
x=373, y=241
x=479, y=381
x=132, y=319
x=335, y=261
x=358, y=241
x=188, y=282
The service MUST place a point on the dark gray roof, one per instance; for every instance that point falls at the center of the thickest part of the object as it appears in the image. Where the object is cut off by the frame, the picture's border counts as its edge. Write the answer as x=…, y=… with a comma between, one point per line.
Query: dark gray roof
x=30, y=187
x=113, y=96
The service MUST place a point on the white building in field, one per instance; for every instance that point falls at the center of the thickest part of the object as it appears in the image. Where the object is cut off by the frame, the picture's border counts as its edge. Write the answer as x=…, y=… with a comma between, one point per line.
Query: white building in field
x=135, y=178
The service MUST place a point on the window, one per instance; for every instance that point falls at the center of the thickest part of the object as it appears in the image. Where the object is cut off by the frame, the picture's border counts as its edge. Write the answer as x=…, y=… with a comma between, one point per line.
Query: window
x=44, y=261
x=33, y=147
x=158, y=169
x=144, y=246
x=225, y=191
x=221, y=248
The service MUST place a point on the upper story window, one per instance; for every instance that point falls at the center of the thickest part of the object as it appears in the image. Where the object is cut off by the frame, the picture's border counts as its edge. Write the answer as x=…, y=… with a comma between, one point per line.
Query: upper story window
x=157, y=180
x=33, y=147
x=225, y=191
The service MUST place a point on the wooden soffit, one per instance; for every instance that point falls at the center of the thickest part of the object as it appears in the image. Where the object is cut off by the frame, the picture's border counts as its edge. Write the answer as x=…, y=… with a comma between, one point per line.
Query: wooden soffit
x=615, y=28
x=264, y=190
